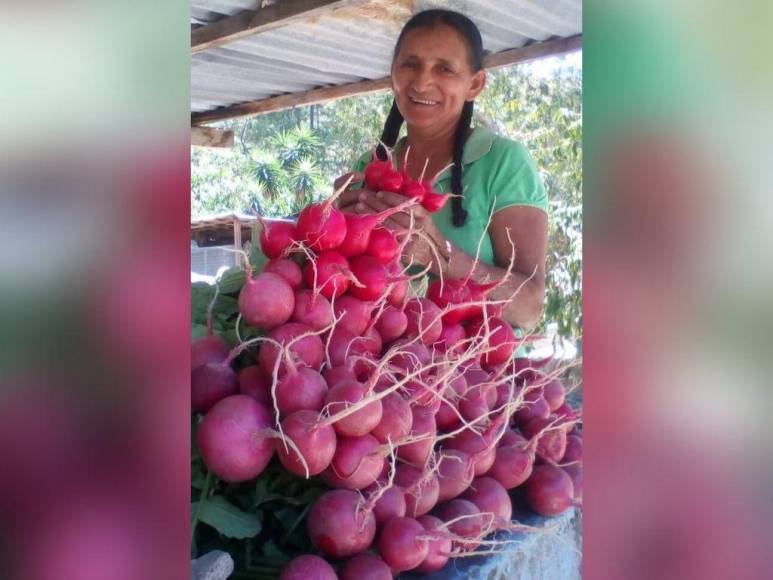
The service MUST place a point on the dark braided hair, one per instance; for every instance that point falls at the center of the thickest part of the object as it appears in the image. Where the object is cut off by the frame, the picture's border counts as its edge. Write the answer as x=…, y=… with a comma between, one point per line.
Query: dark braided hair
x=471, y=34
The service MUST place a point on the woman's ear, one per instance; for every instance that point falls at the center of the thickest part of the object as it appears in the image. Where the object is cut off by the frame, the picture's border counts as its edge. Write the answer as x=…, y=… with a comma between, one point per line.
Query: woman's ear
x=477, y=85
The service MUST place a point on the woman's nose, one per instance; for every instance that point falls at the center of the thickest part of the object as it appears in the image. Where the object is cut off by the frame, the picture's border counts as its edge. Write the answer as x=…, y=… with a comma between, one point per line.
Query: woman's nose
x=421, y=80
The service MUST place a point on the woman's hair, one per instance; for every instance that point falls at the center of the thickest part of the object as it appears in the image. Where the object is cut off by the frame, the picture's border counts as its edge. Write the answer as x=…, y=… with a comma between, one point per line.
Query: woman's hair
x=471, y=34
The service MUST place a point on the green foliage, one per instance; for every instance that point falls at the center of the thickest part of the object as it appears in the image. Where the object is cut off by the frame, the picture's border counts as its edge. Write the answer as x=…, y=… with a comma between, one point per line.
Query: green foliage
x=226, y=518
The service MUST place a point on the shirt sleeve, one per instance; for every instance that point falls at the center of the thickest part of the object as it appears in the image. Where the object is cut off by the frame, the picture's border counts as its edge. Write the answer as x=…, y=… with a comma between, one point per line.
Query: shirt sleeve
x=516, y=180
x=359, y=167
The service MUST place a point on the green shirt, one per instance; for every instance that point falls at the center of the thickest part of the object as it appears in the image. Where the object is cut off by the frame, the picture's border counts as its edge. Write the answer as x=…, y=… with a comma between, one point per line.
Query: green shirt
x=497, y=173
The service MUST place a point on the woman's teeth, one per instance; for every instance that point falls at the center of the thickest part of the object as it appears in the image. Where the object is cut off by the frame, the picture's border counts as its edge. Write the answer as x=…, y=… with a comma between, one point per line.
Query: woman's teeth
x=423, y=102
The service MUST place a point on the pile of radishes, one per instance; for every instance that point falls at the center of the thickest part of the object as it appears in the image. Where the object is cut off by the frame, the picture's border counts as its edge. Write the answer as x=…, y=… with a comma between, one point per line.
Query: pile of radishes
x=413, y=410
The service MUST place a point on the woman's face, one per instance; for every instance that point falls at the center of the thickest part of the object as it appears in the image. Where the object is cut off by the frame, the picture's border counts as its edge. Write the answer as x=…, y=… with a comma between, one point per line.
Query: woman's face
x=432, y=78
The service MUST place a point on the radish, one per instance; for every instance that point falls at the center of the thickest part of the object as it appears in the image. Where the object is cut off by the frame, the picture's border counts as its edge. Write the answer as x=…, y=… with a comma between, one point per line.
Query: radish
x=339, y=525
x=502, y=340
x=433, y=201
x=439, y=544
x=452, y=339
x=308, y=567
x=360, y=226
x=308, y=350
x=357, y=463
x=554, y=394
x=411, y=356
x=266, y=301
x=392, y=324
x=315, y=441
x=549, y=490
x=474, y=404
x=332, y=272
x=455, y=473
x=383, y=245
x=469, y=529
x=255, y=383
x=337, y=374
x=573, y=451
x=491, y=497
x=372, y=276
x=423, y=319
x=321, y=226
x=354, y=313
x=402, y=544
x=534, y=406
x=344, y=346
x=551, y=440
x=391, y=503
x=234, y=438
x=574, y=471
x=210, y=383
x=208, y=349
x=481, y=448
x=391, y=180
x=287, y=269
x=396, y=419
x=375, y=170
x=421, y=489
x=453, y=292
x=301, y=388
x=312, y=310
x=400, y=286
x=365, y=567
x=362, y=421
x=276, y=237
x=423, y=426
x=514, y=460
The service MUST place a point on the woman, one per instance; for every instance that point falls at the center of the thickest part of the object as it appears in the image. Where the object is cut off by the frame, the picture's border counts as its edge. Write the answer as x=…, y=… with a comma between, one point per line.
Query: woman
x=437, y=72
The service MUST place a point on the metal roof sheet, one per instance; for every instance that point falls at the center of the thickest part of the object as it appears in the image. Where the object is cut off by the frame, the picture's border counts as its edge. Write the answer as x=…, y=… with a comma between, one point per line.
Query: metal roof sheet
x=348, y=44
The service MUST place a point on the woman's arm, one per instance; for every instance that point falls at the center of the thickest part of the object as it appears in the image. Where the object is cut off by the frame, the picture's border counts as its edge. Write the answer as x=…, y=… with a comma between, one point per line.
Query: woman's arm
x=528, y=230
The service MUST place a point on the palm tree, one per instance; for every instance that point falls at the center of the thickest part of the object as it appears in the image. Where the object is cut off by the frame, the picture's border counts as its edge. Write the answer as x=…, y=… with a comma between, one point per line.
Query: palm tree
x=293, y=145
x=268, y=172
x=304, y=178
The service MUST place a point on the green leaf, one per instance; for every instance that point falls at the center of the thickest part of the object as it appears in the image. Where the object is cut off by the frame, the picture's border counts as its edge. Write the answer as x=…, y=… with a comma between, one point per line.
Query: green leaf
x=232, y=280
x=228, y=519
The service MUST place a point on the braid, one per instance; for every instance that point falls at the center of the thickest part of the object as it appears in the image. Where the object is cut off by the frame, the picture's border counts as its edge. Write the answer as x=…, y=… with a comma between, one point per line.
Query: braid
x=459, y=214
x=391, y=131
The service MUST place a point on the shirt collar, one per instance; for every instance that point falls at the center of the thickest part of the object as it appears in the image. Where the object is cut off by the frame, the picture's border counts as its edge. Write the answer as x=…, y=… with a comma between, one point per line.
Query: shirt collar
x=478, y=144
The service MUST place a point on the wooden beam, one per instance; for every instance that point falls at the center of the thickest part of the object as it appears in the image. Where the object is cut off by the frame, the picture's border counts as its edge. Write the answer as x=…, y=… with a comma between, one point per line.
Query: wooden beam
x=251, y=22
x=237, y=241
x=211, y=137
x=319, y=95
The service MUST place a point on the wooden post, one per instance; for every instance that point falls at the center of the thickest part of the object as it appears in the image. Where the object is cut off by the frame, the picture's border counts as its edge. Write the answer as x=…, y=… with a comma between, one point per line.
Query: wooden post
x=237, y=240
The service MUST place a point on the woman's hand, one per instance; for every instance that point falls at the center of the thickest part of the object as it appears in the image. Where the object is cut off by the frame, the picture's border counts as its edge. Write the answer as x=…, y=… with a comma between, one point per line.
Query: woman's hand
x=419, y=249
x=349, y=198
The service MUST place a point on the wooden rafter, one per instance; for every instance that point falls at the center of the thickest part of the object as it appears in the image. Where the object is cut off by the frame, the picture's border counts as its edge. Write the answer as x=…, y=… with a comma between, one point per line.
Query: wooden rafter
x=319, y=95
x=251, y=22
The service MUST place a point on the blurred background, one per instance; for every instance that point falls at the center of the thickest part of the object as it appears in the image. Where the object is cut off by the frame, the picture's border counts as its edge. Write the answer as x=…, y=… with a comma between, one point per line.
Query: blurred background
x=94, y=309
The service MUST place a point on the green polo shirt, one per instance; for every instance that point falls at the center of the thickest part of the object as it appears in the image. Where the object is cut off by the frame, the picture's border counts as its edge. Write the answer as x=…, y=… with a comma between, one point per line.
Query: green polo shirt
x=496, y=173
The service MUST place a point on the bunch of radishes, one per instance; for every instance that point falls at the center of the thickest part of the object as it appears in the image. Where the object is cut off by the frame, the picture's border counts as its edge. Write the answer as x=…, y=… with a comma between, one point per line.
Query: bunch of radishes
x=413, y=410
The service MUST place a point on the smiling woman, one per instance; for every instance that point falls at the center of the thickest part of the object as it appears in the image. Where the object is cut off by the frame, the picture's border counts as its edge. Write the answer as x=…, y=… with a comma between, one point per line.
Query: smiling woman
x=498, y=204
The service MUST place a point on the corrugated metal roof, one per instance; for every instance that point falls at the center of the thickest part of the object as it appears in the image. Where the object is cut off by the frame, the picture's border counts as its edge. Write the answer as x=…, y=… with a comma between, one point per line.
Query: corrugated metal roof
x=349, y=44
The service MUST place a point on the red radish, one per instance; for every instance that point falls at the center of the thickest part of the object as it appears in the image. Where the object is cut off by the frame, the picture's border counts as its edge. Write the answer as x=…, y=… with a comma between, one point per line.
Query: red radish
x=573, y=451
x=402, y=544
x=339, y=525
x=390, y=505
x=450, y=292
x=491, y=497
x=375, y=170
x=575, y=473
x=287, y=269
x=396, y=419
x=534, y=406
x=551, y=441
x=423, y=426
x=354, y=313
x=433, y=201
x=502, y=339
x=210, y=383
x=321, y=226
x=302, y=389
x=421, y=490
x=392, y=324
x=208, y=349
x=360, y=226
x=337, y=374
x=455, y=473
x=343, y=346
x=478, y=293
x=423, y=318
x=411, y=355
x=312, y=310
x=357, y=463
x=399, y=285
x=554, y=394
x=514, y=460
x=383, y=245
x=234, y=439
x=413, y=187
x=391, y=180
x=468, y=530
x=372, y=276
x=439, y=544
x=276, y=237
x=365, y=567
x=255, y=383
x=481, y=448
x=451, y=338
x=266, y=301
x=308, y=350
x=566, y=412
x=549, y=490
x=362, y=421
x=308, y=567
x=333, y=276
x=315, y=441
x=447, y=417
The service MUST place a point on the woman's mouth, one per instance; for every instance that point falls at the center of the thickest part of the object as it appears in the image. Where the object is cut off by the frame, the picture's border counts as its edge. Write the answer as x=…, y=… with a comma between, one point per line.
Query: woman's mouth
x=425, y=102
